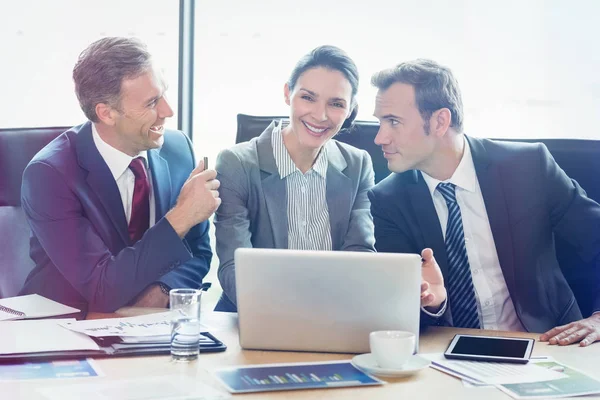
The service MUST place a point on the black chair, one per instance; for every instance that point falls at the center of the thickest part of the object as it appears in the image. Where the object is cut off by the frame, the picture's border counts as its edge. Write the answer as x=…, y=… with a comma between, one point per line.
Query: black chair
x=17, y=148
x=580, y=159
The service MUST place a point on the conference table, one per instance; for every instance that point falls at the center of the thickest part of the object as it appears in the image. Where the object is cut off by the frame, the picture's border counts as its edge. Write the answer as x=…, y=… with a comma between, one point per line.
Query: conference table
x=426, y=384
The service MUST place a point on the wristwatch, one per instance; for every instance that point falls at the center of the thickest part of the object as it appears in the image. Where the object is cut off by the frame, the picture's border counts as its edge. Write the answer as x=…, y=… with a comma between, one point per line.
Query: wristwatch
x=164, y=288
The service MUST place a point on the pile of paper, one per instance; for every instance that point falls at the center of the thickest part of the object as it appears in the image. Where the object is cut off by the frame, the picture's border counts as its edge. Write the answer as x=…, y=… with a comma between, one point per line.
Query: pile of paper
x=541, y=378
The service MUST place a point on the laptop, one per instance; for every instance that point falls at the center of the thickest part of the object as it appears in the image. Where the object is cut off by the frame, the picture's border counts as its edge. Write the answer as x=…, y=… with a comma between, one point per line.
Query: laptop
x=324, y=301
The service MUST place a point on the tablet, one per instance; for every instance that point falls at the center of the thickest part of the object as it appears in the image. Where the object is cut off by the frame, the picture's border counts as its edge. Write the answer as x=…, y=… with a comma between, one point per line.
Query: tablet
x=490, y=348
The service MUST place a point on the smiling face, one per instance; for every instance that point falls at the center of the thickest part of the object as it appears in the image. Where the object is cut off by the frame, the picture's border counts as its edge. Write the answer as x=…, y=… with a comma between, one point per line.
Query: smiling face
x=139, y=122
x=319, y=104
x=402, y=136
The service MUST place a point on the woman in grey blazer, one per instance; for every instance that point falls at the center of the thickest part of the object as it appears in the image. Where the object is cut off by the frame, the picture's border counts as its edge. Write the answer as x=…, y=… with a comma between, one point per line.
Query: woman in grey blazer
x=294, y=187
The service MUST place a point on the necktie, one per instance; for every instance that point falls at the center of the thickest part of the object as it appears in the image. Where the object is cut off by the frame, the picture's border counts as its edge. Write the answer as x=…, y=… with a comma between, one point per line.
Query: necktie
x=460, y=283
x=140, y=205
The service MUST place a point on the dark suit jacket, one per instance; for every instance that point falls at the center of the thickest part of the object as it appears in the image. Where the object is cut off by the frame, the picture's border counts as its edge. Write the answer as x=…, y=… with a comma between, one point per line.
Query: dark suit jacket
x=529, y=199
x=254, y=208
x=79, y=241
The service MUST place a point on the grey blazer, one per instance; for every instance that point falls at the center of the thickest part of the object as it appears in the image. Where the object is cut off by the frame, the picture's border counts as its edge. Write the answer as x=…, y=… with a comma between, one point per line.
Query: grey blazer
x=253, y=212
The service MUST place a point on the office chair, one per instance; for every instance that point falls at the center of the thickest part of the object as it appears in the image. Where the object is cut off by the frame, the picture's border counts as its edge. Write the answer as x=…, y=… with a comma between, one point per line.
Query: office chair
x=17, y=148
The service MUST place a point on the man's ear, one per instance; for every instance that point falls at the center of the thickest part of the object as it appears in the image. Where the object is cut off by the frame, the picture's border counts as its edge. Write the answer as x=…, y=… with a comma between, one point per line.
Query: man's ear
x=440, y=122
x=106, y=114
x=286, y=93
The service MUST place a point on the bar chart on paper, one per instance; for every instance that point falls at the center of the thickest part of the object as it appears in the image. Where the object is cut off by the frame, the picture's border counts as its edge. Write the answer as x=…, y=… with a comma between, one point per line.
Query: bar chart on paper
x=269, y=377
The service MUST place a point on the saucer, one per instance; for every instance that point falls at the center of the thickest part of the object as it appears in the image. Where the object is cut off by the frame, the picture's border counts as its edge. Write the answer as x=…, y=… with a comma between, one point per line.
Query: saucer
x=366, y=363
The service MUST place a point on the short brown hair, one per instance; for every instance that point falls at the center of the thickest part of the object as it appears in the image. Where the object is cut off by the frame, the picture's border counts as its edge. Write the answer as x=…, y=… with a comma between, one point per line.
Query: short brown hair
x=101, y=68
x=435, y=87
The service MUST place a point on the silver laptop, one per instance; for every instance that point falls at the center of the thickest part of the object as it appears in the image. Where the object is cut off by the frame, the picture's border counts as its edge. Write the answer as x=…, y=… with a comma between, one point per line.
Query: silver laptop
x=324, y=300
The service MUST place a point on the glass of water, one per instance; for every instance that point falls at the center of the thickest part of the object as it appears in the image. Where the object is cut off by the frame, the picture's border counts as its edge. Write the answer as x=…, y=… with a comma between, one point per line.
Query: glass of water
x=185, y=326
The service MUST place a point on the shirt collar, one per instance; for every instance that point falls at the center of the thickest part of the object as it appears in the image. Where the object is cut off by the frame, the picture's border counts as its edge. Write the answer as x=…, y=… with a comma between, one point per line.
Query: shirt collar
x=285, y=164
x=465, y=176
x=116, y=160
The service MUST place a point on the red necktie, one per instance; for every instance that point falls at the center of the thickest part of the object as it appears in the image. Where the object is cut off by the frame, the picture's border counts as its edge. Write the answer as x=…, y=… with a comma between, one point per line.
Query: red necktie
x=140, y=206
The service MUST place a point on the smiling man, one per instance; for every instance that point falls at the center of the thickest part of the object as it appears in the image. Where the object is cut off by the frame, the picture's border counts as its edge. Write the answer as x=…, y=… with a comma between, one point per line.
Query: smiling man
x=117, y=207
x=488, y=209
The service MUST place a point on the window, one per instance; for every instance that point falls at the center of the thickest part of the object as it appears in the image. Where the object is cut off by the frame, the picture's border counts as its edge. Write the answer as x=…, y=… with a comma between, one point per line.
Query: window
x=41, y=41
x=526, y=69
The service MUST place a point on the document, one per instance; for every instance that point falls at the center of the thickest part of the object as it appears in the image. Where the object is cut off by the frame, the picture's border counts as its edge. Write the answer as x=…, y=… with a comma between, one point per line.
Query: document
x=32, y=306
x=492, y=373
x=49, y=370
x=43, y=335
x=576, y=383
x=173, y=387
x=269, y=377
x=145, y=325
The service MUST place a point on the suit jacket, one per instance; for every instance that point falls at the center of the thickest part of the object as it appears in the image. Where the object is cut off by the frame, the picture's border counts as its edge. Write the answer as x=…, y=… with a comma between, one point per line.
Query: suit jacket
x=253, y=212
x=529, y=199
x=79, y=240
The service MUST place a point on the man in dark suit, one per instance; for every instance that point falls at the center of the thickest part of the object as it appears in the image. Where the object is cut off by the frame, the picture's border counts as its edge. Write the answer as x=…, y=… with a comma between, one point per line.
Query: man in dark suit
x=118, y=211
x=489, y=210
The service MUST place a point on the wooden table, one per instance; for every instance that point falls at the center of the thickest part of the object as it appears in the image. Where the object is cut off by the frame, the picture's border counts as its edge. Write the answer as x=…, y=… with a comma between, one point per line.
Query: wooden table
x=428, y=384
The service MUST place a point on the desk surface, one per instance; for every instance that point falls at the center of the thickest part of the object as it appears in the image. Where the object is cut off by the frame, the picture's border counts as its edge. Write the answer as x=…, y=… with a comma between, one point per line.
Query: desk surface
x=427, y=384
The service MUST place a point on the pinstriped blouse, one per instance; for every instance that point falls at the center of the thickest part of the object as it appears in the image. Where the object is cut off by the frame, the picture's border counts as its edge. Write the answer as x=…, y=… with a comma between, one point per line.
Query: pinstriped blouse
x=307, y=211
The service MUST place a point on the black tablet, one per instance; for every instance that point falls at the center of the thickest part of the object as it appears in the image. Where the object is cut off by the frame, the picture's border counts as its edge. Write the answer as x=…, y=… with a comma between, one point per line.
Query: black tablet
x=490, y=348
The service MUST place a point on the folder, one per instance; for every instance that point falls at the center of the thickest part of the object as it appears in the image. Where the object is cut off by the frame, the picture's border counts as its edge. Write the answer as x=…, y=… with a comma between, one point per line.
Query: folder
x=38, y=340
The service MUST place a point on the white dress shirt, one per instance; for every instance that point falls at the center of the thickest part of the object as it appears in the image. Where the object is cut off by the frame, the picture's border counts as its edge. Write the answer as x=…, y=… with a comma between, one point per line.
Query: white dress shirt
x=494, y=305
x=307, y=210
x=118, y=163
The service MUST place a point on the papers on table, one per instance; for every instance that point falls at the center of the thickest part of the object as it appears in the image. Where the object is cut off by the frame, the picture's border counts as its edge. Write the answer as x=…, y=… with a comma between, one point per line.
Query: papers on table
x=493, y=373
x=542, y=378
x=574, y=383
x=174, y=387
x=49, y=370
x=38, y=336
x=145, y=325
x=293, y=376
x=32, y=306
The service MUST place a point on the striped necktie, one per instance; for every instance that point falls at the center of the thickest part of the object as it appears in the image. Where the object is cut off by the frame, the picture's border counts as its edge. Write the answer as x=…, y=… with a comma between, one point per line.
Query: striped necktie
x=460, y=283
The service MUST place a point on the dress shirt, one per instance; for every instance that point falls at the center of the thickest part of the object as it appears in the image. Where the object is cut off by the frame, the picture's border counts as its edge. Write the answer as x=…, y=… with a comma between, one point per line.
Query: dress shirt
x=118, y=163
x=494, y=305
x=307, y=211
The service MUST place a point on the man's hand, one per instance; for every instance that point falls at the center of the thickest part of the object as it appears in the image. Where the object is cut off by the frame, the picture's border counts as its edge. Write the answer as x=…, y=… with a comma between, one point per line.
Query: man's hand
x=197, y=201
x=585, y=331
x=153, y=297
x=433, y=292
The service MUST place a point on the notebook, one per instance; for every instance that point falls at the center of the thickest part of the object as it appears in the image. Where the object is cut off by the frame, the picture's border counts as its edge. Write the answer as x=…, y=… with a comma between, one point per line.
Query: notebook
x=324, y=300
x=32, y=306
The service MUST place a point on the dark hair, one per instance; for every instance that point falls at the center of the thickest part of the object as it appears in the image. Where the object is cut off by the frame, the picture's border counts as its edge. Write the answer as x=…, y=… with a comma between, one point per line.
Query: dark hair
x=335, y=59
x=101, y=68
x=435, y=87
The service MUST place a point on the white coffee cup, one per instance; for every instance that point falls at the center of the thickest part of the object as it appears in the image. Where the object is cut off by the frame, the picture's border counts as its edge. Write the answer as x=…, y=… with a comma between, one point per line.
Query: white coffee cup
x=392, y=349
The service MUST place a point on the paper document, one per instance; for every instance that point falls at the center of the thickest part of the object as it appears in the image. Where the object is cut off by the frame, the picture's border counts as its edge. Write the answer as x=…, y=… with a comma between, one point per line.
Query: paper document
x=41, y=336
x=493, y=373
x=49, y=370
x=32, y=306
x=293, y=376
x=576, y=383
x=144, y=325
x=167, y=387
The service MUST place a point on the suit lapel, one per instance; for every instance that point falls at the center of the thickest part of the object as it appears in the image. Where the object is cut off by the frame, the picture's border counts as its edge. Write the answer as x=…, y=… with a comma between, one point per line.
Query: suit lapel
x=492, y=190
x=338, y=194
x=427, y=219
x=161, y=182
x=101, y=181
x=274, y=189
